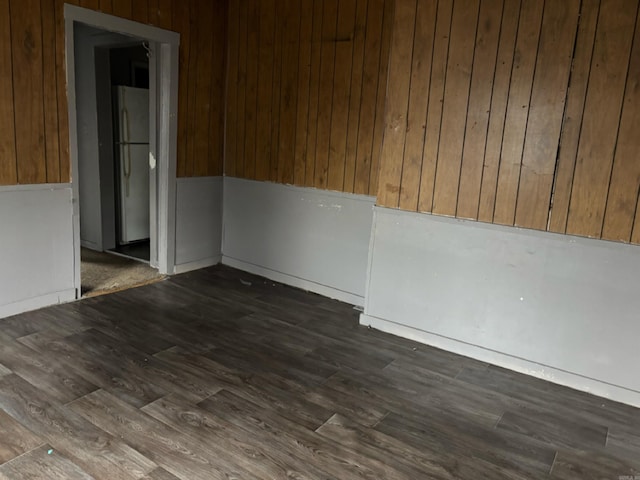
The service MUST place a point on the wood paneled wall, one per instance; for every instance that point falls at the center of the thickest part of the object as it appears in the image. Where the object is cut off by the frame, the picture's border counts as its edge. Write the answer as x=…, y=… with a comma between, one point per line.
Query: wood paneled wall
x=516, y=112
x=34, y=135
x=306, y=91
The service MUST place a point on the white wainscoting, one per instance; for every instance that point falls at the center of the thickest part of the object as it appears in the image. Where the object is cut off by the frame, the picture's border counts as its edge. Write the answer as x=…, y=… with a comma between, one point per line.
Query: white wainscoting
x=36, y=247
x=558, y=307
x=198, y=222
x=313, y=239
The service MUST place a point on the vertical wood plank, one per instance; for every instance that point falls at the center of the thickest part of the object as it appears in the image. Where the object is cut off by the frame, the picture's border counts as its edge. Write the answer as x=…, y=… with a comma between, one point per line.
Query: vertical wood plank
x=356, y=95
x=217, y=89
x=625, y=178
x=289, y=95
x=275, y=93
x=381, y=96
x=559, y=29
x=418, y=102
x=250, y=106
x=52, y=144
x=497, y=114
x=434, y=109
x=325, y=96
x=192, y=76
x=106, y=6
x=370, y=78
x=8, y=163
x=123, y=8
x=152, y=11
x=572, y=122
x=603, y=105
x=242, y=82
x=165, y=13
x=314, y=92
x=26, y=40
x=341, y=94
x=304, y=77
x=484, y=68
x=635, y=234
x=61, y=85
x=398, y=102
x=464, y=24
x=92, y=4
x=139, y=11
x=265, y=88
x=204, y=74
x=182, y=23
x=517, y=111
x=232, y=90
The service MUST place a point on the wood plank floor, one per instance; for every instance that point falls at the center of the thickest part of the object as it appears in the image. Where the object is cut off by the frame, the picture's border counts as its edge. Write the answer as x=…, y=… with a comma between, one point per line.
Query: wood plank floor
x=218, y=374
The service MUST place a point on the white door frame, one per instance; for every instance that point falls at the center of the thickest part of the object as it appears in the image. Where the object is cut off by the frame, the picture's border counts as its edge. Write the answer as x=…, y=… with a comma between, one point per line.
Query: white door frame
x=163, y=132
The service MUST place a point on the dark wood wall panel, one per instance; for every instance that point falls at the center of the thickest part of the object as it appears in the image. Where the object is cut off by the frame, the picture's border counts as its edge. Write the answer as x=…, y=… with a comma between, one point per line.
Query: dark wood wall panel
x=516, y=112
x=34, y=132
x=307, y=103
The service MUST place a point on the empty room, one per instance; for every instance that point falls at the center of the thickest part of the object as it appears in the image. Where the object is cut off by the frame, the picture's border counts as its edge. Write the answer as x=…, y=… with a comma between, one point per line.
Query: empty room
x=322, y=239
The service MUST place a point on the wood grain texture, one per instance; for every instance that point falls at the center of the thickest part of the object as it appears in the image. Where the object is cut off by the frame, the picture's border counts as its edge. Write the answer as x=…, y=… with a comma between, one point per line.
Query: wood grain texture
x=518, y=108
x=345, y=33
x=8, y=164
x=624, y=189
x=371, y=68
x=601, y=119
x=381, y=95
x=325, y=91
x=434, y=108
x=464, y=25
x=553, y=64
x=28, y=95
x=398, y=101
x=204, y=376
x=289, y=88
x=418, y=101
x=572, y=121
x=319, y=67
x=479, y=109
x=498, y=112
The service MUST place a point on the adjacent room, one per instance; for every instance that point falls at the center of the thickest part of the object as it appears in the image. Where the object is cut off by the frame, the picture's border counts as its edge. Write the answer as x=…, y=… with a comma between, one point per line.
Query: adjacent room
x=260, y=239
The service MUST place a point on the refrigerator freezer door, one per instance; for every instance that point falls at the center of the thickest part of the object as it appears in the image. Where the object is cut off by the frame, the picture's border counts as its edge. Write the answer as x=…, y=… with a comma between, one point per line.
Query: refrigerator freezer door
x=133, y=109
x=134, y=192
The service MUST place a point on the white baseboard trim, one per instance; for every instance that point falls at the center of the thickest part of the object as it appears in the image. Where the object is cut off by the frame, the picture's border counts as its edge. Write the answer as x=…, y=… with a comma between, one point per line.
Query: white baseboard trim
x=205, y=262
x=294, y=281
x=37, y=302
x=561, y=377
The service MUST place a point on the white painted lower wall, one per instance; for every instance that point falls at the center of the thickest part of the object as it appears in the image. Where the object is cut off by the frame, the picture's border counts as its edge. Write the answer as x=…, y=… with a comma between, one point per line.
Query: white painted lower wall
x=313, y=239
x=558, y=307
x=36, y=247
x=198, y=222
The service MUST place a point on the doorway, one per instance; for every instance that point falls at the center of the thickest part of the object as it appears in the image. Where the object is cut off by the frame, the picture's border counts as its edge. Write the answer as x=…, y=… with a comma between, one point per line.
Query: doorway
x=123, y=165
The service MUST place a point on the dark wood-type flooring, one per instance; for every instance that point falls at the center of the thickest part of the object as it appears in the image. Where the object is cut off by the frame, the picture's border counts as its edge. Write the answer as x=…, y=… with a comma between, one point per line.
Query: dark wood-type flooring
x=218, y=374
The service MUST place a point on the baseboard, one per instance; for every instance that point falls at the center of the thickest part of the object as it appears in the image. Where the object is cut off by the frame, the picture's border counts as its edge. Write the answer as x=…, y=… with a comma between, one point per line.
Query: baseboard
x=520, y=365
x=294, y=281
x=205, y=262
x=37, y=302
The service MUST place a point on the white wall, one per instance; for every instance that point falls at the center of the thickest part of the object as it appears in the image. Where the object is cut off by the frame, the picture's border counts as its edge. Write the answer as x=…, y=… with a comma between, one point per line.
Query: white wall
x=312, y=239
x=36, y=247
x=90, y=187
x=198, y=222
x=558, y=307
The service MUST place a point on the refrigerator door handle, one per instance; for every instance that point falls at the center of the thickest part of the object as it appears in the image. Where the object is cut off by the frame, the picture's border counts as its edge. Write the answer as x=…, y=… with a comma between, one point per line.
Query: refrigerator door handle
x=127, y=149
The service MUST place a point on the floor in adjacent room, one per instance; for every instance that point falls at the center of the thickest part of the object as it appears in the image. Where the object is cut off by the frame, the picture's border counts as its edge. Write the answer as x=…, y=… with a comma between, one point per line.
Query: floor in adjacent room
x=220, y=374
x=104, y=272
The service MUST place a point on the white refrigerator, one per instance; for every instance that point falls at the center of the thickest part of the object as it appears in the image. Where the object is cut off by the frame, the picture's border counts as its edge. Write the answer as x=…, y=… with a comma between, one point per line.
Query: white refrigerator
x=132, y=150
